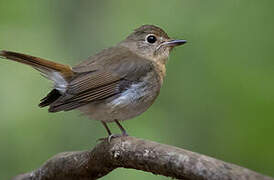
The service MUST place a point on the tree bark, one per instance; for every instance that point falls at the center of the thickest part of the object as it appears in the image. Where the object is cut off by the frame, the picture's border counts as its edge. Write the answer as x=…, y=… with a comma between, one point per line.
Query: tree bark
x=134, y=153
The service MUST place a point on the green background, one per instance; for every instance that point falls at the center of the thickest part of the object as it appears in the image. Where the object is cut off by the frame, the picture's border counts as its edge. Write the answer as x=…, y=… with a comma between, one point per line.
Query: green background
x=217, y=98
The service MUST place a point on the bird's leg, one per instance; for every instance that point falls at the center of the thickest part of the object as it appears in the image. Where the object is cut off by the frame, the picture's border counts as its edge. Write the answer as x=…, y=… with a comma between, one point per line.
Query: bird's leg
x=110, y=135
x=124, y=133
x=106, y=127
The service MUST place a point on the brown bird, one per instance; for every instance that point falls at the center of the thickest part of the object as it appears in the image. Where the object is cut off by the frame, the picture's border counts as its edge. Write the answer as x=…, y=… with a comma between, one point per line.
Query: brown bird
x=116, y=84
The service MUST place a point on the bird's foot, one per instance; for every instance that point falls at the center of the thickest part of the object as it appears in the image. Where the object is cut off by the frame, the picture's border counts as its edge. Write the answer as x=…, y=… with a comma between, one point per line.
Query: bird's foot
x=112, y=136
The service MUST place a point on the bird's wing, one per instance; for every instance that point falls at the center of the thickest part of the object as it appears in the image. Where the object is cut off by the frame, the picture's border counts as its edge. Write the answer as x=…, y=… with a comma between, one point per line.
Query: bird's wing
x=102, y=79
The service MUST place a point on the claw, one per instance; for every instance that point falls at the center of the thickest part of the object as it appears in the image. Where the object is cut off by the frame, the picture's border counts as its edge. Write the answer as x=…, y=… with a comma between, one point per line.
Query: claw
x=112, y=136
x=124, y=133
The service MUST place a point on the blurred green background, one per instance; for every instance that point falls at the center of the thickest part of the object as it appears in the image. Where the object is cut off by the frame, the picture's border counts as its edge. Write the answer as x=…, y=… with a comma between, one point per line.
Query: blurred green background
x=217, y=99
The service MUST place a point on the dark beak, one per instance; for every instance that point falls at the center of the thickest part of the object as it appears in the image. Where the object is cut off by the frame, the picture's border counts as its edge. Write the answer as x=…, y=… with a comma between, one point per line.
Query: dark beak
x=173, y=43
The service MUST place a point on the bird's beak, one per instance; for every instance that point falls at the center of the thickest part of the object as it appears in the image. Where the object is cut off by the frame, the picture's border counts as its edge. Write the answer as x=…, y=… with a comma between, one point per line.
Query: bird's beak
x=173, y=43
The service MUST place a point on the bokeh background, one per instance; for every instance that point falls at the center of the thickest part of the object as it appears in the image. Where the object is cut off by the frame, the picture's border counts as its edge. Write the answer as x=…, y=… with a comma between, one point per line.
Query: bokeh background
x=217, y=99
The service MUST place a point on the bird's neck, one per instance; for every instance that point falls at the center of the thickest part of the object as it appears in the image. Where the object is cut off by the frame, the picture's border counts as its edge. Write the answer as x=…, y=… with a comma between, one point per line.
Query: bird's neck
x=160, y=65
x=158, y=61
x=161, y=70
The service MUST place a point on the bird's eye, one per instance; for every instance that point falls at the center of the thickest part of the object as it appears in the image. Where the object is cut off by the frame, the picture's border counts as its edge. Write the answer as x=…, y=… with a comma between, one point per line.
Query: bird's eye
x=151, y=39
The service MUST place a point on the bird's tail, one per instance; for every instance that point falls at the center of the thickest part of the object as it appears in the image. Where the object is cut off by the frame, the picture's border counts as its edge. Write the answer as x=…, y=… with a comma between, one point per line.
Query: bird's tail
x=60, y=74
x=46, y=67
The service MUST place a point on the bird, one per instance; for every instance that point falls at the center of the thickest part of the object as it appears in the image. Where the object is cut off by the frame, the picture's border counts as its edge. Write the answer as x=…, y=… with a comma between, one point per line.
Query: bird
x=116, y=84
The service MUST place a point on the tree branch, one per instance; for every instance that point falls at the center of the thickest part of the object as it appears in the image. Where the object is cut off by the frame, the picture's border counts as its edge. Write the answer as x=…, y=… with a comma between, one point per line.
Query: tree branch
x=130, y=152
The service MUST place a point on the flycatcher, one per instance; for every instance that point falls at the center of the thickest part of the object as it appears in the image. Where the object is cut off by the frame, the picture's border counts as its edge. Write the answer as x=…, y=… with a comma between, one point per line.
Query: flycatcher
x=116, y=84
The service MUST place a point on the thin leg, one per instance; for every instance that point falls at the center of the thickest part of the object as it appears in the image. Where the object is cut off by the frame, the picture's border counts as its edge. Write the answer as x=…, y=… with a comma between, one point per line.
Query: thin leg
x=106, y=127
x=124, y=133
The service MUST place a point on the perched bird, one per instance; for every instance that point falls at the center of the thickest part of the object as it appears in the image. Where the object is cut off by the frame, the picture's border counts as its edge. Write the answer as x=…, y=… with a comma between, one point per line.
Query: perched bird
x=116, y=84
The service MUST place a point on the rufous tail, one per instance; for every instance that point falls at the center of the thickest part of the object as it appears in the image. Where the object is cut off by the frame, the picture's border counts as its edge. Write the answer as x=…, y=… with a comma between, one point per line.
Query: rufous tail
x=59, y=73
x=44, y=66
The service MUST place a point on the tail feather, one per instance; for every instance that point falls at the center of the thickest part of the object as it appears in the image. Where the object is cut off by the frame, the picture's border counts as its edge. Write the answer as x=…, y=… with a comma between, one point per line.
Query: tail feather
x=42, y=65
x=60, y=74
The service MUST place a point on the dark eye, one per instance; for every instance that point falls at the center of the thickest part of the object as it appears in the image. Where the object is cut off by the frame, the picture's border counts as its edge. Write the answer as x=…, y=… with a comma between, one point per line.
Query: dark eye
x=151, y=39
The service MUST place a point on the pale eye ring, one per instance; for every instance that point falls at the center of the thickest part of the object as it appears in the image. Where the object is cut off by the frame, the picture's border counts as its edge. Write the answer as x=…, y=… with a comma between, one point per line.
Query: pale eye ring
x=151, y=38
